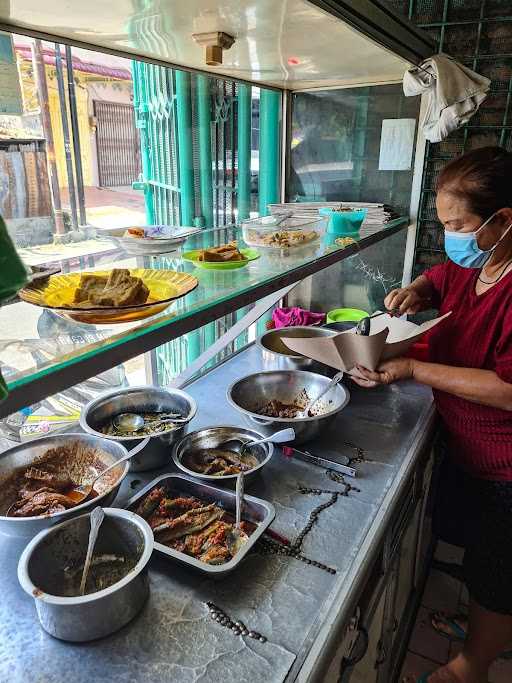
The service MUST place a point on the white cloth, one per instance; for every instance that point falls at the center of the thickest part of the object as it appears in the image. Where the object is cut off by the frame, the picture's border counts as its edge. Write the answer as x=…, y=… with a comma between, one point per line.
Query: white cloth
x=453, y=92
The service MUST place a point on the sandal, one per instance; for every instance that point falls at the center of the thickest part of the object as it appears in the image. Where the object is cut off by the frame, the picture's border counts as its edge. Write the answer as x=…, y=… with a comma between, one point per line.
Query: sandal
x=450, y=624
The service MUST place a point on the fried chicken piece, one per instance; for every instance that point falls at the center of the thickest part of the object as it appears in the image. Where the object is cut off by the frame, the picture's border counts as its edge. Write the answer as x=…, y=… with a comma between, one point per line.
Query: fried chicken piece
x=118, y=289
x=189, y=523
x=58, y=482
x=150, y=502
x=89, y=284
x=195, y=543
x=42, y=502
x=226, y=252
x=217, y=554
x=176, y=506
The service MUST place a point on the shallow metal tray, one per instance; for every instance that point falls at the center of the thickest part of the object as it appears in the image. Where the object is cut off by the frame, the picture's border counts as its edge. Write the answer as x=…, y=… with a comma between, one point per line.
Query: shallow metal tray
x=255, y=510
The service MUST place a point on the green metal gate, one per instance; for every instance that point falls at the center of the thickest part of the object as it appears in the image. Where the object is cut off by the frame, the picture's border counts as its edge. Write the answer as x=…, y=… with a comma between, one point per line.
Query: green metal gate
x=195, y=133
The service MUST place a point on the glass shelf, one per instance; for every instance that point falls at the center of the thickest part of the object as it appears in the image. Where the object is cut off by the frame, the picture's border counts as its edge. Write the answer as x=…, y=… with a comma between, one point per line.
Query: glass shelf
x=41, y=354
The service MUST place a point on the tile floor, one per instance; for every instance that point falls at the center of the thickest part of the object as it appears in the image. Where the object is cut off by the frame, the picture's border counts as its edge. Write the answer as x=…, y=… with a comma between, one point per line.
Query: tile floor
x=427, y=650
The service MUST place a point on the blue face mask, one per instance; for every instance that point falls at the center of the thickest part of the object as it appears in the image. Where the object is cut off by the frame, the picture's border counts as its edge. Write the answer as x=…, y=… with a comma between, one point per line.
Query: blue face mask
x=462, y=247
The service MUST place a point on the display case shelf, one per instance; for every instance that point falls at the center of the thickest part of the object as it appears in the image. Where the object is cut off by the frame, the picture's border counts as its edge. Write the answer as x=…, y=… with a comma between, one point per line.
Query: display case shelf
x=32, y=372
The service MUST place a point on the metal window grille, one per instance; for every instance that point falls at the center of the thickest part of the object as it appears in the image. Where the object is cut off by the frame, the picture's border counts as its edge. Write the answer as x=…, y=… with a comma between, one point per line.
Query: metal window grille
x=478, y=33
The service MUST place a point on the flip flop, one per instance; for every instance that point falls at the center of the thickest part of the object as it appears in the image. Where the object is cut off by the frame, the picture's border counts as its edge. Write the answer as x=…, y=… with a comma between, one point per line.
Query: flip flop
x=457, y=632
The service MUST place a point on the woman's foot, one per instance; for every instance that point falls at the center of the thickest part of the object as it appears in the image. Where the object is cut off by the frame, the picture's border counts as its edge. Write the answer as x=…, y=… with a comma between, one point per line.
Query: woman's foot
x=458, y=670
x=455, y=627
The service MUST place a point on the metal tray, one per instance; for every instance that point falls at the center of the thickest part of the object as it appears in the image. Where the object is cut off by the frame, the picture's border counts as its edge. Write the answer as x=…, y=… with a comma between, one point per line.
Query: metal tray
x=255, y=510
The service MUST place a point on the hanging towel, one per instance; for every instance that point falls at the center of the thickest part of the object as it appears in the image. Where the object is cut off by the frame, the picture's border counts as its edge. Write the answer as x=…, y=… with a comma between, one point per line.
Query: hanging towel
x=453, y=91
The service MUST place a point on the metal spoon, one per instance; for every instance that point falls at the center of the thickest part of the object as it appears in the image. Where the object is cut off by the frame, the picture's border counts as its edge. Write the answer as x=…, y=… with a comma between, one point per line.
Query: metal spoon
x=335, y=380
x=79, y=493
x=133, y=422
x=97, y=516
x=239, y=446
x=236, y=538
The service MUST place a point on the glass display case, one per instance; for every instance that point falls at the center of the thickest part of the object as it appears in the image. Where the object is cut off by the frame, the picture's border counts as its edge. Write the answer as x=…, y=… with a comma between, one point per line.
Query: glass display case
x=304, y=109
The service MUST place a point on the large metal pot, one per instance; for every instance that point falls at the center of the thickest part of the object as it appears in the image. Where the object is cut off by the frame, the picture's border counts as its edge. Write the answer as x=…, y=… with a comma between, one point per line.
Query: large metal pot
x=87, y=617
x=251, y=393
x=277, y=356
x=157, y=452
x=25, y=454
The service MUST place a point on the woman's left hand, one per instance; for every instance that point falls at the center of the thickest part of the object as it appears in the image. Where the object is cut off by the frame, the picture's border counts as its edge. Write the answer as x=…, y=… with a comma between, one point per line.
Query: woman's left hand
x=388, y=372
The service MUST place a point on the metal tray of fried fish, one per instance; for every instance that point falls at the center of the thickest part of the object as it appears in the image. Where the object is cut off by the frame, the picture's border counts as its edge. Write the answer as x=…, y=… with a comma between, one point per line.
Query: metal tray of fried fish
x=254, y=510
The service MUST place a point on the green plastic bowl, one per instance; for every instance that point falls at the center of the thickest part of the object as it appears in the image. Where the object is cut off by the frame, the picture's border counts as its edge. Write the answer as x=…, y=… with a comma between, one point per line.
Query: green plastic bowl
x=351, y=315
x=344, y=222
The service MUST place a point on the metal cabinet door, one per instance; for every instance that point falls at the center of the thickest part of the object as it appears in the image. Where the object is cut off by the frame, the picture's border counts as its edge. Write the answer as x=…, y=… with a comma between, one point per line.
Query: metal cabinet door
x=366, y=671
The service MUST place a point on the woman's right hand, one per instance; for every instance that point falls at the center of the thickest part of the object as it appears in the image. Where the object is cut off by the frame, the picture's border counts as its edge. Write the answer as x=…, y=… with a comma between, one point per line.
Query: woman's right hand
x=405, y=300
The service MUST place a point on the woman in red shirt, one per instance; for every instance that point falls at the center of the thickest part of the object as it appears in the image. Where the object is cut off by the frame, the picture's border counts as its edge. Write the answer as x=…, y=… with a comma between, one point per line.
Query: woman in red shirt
x=470, y=372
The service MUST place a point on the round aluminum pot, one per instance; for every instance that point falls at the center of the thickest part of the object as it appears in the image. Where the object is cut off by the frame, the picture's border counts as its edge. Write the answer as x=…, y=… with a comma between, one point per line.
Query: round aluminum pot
x=250, y=393
x=83, y=618
x=25, y=454
x=277, y=356
x=212, y=437
x=157, y=452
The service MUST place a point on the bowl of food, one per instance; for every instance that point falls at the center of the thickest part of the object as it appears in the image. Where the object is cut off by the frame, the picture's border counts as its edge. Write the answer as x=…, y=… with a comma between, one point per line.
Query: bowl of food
x=145, y=240
x=284, y=233
x=208, y=454
x=278, y=356
x=50, y=570
x=114, y=296
x=276, y=400
x=224, y=257
x=193, y=522
x=37, y=480
x=153, y=404
x=343, y=220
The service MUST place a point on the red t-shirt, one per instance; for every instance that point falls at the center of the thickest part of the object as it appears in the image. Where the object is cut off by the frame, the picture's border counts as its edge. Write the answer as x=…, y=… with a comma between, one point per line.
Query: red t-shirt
x=478, y=334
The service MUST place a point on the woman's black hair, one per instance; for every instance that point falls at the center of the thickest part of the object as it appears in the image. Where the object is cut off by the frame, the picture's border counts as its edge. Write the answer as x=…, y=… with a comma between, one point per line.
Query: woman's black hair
x=482, y=178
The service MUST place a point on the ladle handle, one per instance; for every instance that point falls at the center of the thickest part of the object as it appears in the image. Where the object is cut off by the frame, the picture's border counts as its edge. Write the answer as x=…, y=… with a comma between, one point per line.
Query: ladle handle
x=239, y=498
x=283, y=436
x=337, y=378
x=142, y=444
x=97, y=516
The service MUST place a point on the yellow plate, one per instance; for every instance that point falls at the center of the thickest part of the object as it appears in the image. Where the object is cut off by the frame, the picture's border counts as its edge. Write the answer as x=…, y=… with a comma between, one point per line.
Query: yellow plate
x=58, y=292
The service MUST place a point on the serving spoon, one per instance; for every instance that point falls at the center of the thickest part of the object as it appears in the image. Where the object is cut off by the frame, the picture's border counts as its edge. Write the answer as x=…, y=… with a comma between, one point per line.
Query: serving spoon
x=236, y=538
x=133, y=422
x=239, y=446
x=363, y=326
x=79, y=493
x=97, y=516
x=307, y=410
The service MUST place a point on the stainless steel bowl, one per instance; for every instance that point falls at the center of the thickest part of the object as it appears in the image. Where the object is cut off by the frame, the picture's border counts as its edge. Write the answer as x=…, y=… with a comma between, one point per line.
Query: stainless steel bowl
x=251, y=393
x=157, y=452
x=87, y=617
x=25, y=454
x=277, y=356
x=212, y=437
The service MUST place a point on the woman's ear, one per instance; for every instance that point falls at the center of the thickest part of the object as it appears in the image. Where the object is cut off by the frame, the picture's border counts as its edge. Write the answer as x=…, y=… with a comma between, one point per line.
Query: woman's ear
x=505, y=216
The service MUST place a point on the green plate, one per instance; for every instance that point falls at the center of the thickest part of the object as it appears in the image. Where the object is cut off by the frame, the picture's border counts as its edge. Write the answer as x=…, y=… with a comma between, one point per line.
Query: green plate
x=192, y=257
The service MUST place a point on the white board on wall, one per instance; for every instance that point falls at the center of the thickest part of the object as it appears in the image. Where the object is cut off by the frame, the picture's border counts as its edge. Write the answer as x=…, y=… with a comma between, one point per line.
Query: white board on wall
x=396, y=144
